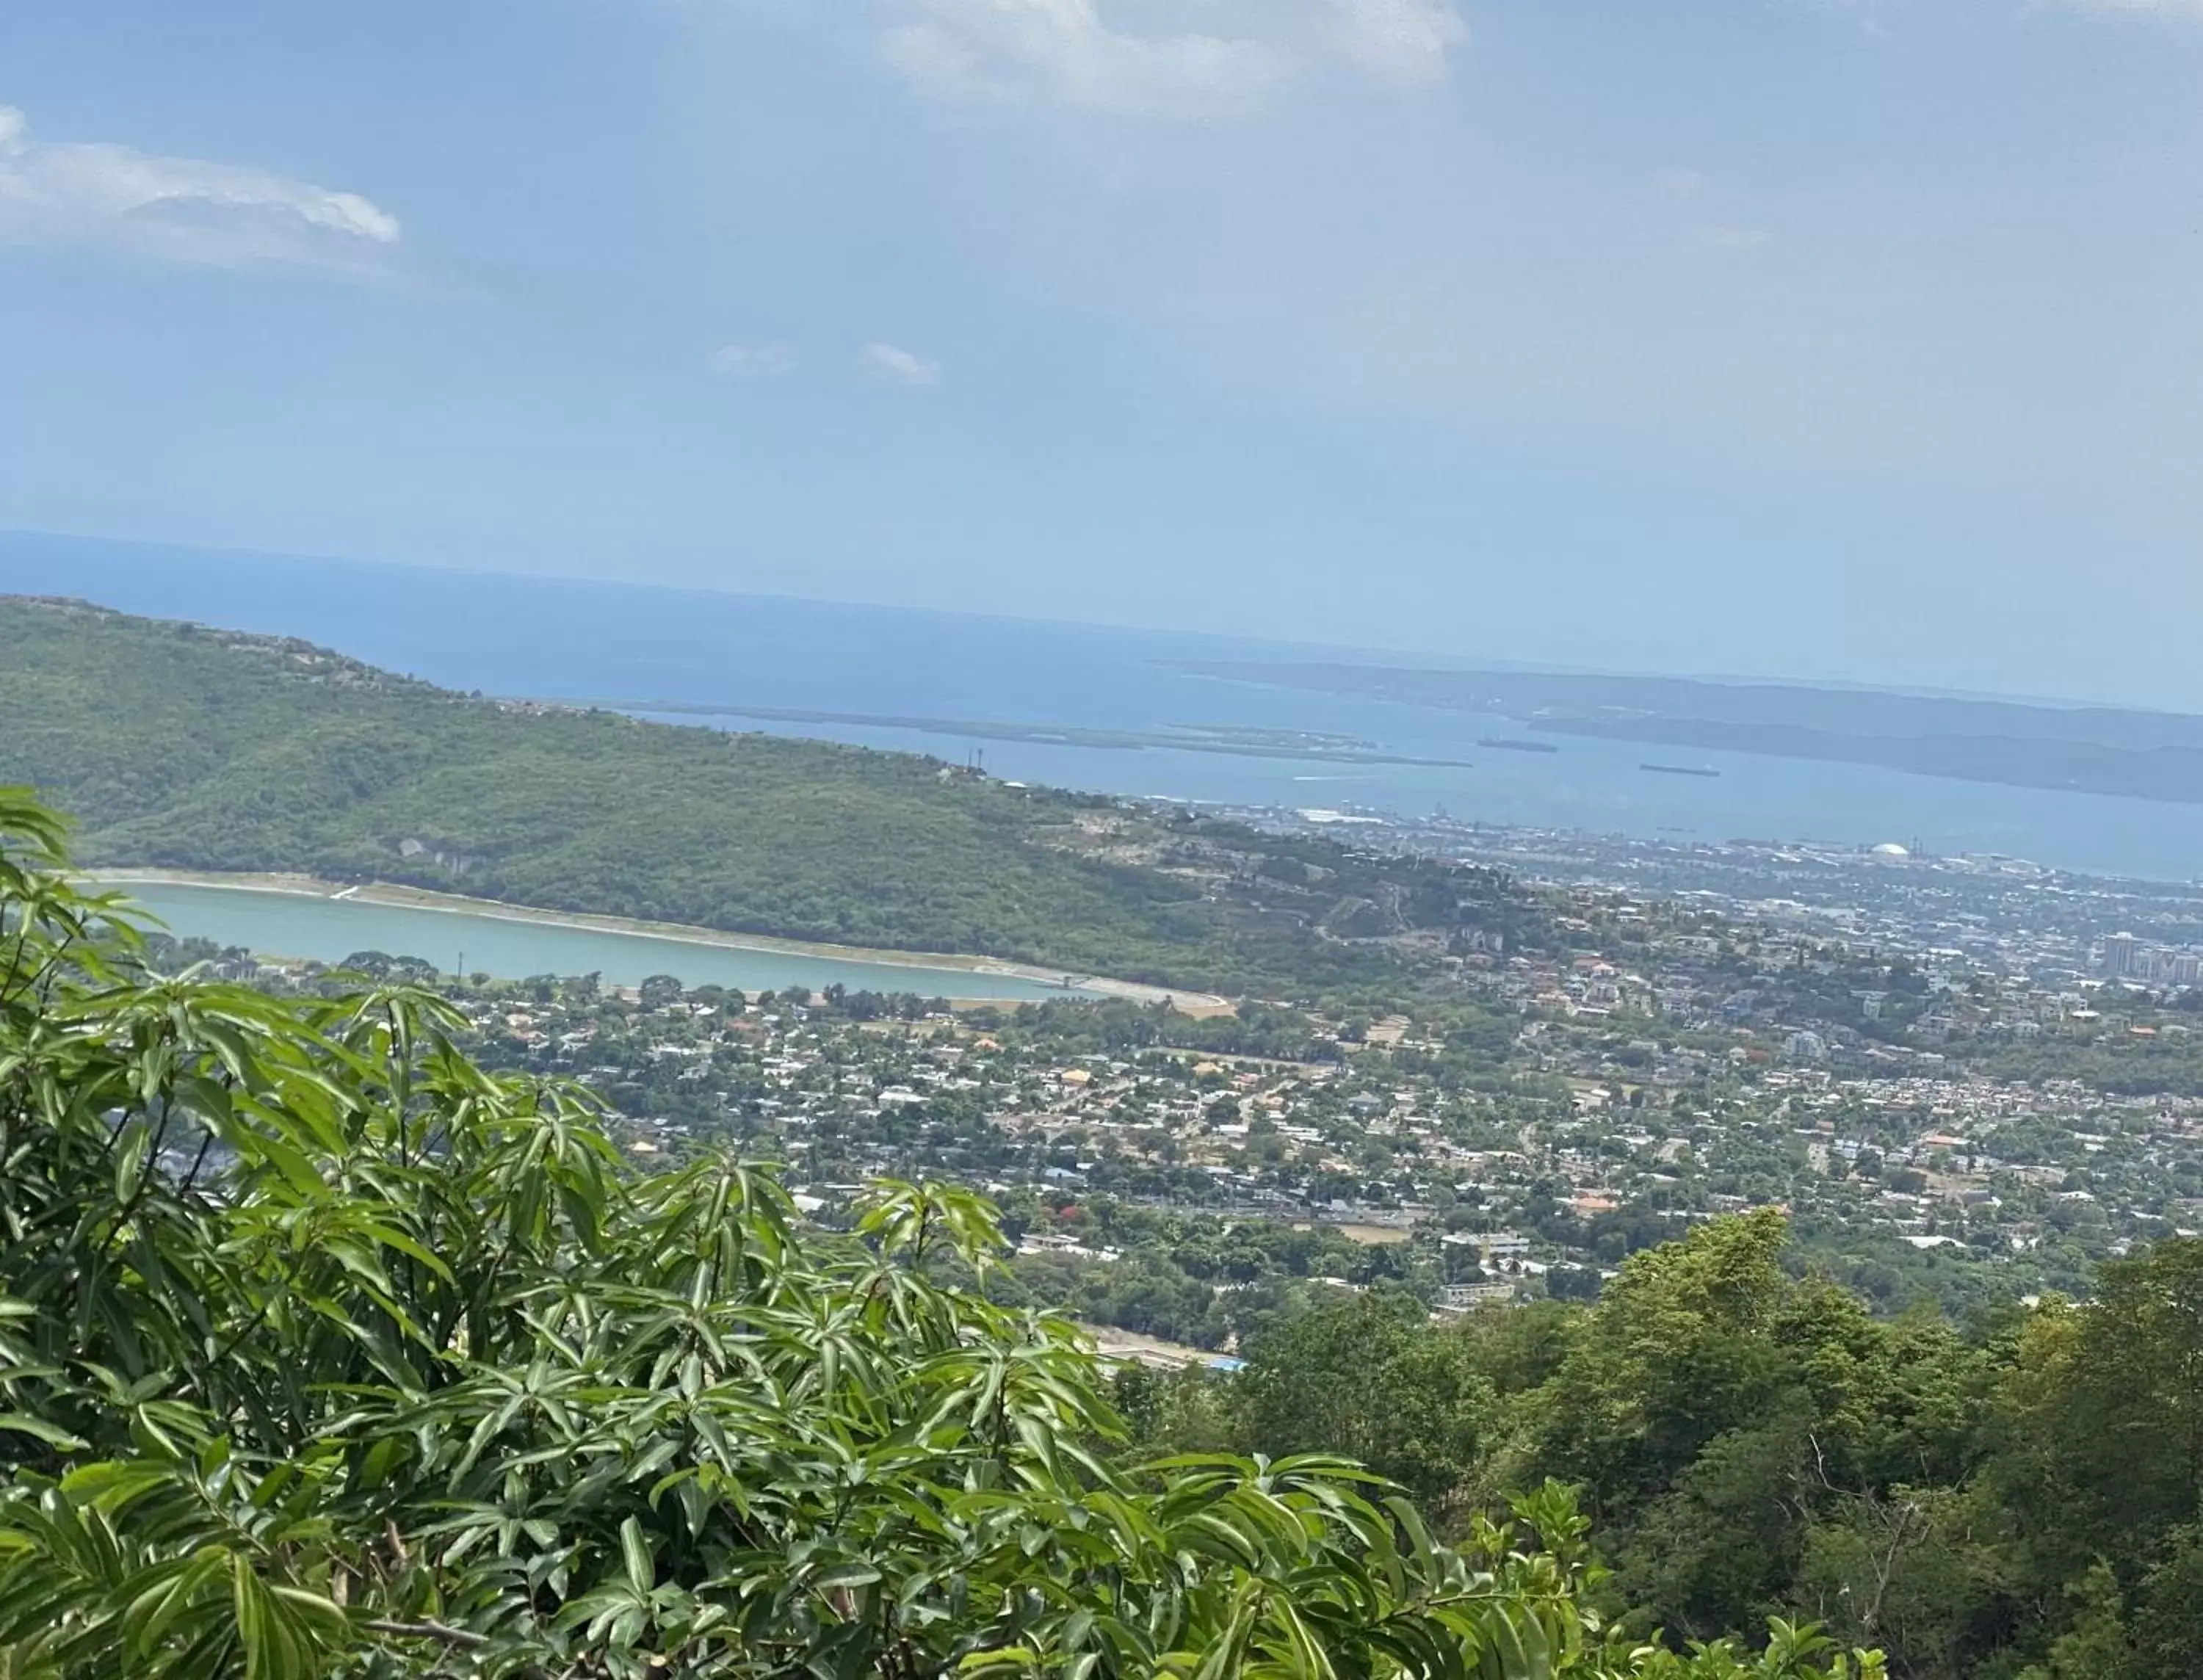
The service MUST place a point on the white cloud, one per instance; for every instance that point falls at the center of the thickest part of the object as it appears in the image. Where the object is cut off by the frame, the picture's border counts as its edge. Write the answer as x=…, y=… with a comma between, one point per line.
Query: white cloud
x=1398, y=40
x=1679, y=183
x=1069, y=53
x=2186, y=8
x=1062, y=52
x=1730, y=239
x=1867, y=17
x=758, y=361
x=898, y=366
x=181, y=208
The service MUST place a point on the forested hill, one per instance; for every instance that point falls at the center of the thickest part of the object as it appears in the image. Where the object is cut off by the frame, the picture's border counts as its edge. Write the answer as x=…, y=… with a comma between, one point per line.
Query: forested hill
x=181, y=746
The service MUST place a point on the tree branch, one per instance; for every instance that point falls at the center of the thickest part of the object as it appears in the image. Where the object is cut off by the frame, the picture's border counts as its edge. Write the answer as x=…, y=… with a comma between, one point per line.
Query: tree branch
x=436, y=1630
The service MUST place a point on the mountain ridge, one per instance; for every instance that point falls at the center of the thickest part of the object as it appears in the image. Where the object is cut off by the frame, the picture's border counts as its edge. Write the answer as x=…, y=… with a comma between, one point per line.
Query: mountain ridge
x=193, y=747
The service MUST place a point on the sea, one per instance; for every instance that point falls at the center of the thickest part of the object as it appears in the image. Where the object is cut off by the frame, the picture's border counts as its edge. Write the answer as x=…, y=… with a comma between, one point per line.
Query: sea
x=569, y=639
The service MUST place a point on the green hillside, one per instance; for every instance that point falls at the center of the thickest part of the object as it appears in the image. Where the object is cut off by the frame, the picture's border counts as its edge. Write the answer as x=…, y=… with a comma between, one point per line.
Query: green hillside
x=185, y=746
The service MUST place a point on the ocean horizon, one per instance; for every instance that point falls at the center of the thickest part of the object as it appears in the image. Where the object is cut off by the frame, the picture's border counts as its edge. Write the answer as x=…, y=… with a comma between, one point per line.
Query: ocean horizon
x=578, y=640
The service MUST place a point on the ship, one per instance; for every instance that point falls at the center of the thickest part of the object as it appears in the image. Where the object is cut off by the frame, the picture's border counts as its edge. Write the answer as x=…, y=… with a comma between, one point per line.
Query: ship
x=1679, y=769
x=1515, y=744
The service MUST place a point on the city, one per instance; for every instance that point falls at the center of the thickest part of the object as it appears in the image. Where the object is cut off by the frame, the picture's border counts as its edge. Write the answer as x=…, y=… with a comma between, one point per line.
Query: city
x=1953, y=1086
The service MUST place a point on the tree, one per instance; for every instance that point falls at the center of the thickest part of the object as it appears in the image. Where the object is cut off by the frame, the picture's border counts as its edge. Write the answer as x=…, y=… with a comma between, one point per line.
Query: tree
x=1675, y=1354
x=2102, y=1471
x=1748, y=1440
x=659, y=990
x=1369, y=1379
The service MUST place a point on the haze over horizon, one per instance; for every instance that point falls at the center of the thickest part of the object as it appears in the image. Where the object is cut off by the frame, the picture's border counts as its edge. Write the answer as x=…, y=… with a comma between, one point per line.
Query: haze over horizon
x=1834, y=339
x=305, y=595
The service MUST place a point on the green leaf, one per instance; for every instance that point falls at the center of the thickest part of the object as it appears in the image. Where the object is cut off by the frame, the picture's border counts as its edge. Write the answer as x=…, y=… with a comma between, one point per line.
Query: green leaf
x=18, y=1422
x=641, y=1571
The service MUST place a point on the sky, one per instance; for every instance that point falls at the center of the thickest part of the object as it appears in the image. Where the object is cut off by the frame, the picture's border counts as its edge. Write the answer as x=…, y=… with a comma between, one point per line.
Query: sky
x=1824, y=338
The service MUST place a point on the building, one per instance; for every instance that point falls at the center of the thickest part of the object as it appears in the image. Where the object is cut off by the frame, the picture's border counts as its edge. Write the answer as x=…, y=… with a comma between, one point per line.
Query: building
x=2121, y=954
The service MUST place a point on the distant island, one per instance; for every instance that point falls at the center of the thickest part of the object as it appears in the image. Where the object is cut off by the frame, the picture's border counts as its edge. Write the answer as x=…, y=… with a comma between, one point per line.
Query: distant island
x=1233, y=740
x=2119, y=751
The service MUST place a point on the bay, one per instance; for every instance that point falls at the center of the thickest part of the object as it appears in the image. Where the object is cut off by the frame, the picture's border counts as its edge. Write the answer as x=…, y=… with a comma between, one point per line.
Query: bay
x=560, y=638
x=1598, y=786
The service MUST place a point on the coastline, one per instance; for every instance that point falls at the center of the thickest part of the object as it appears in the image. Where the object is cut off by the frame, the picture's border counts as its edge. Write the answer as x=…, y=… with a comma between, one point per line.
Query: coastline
x=455, y=903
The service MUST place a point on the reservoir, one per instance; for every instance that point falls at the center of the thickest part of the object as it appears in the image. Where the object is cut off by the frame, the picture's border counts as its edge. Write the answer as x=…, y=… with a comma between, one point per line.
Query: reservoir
x=271, y=923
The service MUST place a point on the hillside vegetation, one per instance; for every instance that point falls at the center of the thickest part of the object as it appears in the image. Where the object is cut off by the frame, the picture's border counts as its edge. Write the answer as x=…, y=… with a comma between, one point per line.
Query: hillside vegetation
x=2016, y=1496
x=180, y=745
x=325, y=1353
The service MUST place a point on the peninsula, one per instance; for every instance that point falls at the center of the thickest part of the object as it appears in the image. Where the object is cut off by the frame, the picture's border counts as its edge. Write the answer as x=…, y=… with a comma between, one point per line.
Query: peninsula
x=184, y=747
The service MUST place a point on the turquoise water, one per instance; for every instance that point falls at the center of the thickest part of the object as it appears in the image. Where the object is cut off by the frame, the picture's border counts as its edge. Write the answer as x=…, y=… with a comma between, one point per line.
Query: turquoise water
x=295, y=924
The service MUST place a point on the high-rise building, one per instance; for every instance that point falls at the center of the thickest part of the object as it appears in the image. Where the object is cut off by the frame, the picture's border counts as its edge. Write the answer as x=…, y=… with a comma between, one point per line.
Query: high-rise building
x=2120, y=951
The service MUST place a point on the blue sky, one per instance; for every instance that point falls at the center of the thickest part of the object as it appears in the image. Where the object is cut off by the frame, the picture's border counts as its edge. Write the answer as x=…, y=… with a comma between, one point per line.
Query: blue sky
x=1858, y=339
